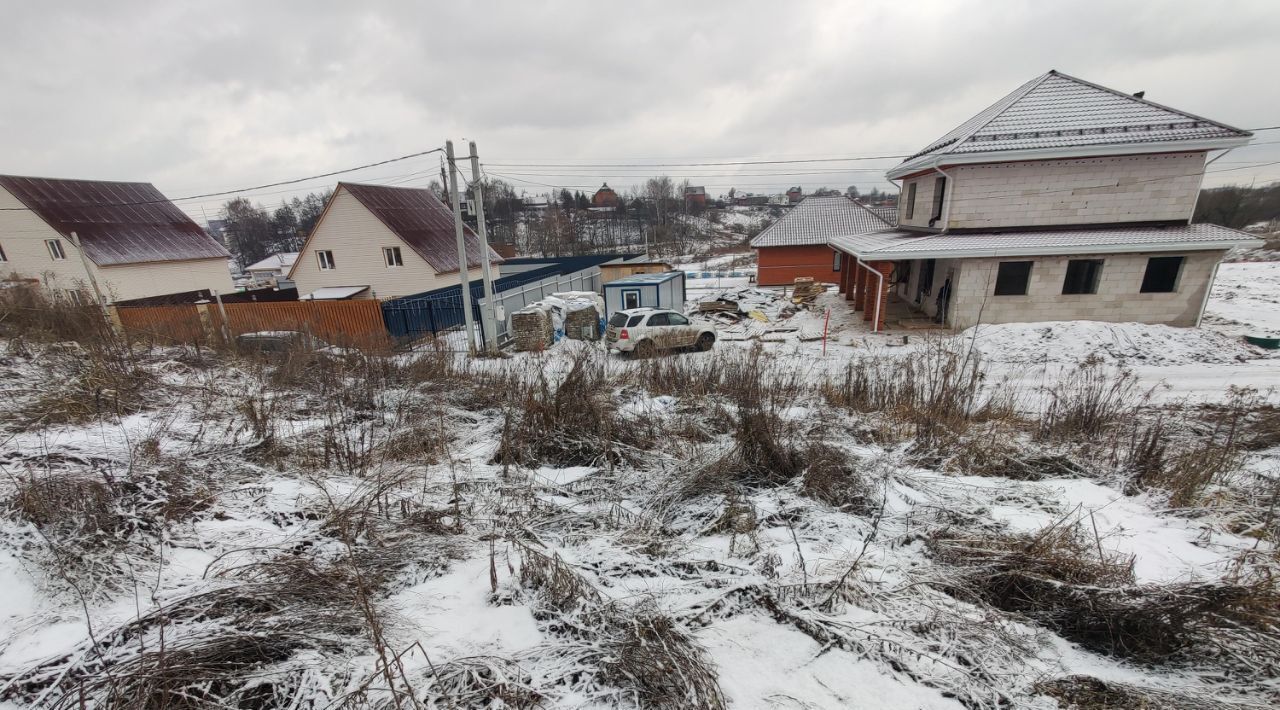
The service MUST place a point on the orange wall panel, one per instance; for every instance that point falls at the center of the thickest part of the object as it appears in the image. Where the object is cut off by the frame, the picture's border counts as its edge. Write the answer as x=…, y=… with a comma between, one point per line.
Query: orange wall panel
x=780, y=266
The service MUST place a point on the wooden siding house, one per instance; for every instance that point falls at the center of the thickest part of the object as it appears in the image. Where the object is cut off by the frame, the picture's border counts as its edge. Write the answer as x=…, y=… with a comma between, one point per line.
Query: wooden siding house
x=374, y=241
x=135, y=242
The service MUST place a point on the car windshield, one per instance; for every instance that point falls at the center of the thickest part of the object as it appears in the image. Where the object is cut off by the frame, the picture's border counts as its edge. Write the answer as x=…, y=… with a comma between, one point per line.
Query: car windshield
x=618, y=320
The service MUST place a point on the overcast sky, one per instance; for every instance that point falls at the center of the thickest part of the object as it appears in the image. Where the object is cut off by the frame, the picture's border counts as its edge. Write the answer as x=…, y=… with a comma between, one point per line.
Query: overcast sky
x=197, y=97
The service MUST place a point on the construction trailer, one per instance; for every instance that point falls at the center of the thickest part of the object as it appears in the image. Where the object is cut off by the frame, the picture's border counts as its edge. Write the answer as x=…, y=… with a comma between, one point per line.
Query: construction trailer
x=662, y=290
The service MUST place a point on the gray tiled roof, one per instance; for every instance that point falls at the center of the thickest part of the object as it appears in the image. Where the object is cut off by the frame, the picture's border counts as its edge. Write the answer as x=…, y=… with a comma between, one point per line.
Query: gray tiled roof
x=1060, y=111
x=893, y=244
x=815, y=220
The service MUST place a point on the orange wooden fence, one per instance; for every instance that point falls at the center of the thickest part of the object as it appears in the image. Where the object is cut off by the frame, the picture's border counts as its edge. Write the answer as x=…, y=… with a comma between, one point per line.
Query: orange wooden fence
x=337, y=322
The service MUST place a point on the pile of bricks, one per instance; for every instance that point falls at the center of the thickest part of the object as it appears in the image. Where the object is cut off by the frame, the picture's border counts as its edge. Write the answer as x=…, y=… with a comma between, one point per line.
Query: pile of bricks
x=582, y=324
x=531, y=329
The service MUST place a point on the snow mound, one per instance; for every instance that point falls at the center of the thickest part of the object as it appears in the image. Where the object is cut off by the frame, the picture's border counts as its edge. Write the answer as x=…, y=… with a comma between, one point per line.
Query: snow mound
x=1121, y=343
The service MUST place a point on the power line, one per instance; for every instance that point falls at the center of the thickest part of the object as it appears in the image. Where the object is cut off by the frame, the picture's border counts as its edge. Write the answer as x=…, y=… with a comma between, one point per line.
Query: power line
x=692, y=165
x=225, y=193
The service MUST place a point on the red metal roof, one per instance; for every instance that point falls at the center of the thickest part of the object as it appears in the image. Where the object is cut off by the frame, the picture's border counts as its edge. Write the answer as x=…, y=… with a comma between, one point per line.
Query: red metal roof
x=116, y=222
x=424, y=223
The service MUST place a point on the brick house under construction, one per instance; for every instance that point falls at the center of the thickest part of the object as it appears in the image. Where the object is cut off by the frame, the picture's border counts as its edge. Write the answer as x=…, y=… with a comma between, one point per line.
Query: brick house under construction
x=1064, y=200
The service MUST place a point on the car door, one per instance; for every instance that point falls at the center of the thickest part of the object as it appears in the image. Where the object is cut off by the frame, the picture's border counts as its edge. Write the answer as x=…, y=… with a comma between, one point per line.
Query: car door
x=658, y=329
x=683, y=333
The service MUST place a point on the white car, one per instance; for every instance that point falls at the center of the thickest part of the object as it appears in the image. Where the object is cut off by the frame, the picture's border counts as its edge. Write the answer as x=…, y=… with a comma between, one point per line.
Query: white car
x=644, y=331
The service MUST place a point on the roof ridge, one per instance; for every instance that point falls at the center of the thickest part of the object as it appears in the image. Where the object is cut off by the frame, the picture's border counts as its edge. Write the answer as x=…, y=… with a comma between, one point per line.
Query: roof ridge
x=1148, y=102
x=58, y=179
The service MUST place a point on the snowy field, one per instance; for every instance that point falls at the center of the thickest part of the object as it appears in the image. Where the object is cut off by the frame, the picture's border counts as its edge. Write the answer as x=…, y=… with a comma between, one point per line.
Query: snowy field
x=1083, y=518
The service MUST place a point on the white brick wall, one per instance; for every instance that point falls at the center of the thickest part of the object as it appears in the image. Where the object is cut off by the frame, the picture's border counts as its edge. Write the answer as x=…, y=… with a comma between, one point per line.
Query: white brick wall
x=1117, y=300
x=1135, y=188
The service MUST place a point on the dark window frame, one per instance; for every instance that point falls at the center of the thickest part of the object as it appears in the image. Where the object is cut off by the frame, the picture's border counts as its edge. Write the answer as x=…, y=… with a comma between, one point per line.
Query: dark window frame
x=911, y=199
x=939, y=194
x=927, y=271
x=1155, y=281
x=392, y=257
x=325, y=260
x=628, y=292
x=1082, y=277
x=1008, y=276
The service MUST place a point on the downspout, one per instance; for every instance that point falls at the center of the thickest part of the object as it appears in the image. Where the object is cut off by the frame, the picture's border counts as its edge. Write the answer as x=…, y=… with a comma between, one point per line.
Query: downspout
x=1196, y=202
x=946, y=198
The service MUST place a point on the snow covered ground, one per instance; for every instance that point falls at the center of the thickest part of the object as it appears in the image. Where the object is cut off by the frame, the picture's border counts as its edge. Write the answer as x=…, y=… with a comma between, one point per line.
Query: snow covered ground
x=484, y=582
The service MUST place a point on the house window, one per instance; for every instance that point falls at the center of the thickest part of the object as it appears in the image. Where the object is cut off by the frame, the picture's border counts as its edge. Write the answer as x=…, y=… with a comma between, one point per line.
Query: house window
x=630, y=299
x=911, y=200
x=55, y=249
x=1012, y=278
x=325, y=259
x=939, y=191
x=1082, y=276
x=391, y=255
x=835, y=263
x=1162, y=274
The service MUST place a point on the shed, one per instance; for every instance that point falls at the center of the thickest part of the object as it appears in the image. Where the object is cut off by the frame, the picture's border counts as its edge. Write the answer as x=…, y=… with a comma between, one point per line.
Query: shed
x=663, y=290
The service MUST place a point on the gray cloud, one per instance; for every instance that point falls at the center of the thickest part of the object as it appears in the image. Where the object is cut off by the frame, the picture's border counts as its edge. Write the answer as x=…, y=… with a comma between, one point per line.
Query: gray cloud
x=202, y=96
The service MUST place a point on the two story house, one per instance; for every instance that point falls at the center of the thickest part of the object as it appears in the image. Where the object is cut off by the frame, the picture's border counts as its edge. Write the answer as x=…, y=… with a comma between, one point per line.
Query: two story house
x=374, y=241
x=67, y=235
x=1064, y=200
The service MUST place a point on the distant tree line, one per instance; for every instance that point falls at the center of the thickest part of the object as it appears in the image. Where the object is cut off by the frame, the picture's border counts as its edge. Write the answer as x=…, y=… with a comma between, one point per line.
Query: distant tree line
x=254, y=232
x=1238, y=206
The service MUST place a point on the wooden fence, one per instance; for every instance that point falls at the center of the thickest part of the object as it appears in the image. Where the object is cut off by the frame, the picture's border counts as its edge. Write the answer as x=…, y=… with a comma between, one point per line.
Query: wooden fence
x=337, y=322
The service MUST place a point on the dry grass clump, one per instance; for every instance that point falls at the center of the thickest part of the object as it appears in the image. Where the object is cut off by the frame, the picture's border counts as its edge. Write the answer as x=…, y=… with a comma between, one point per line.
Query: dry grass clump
x=485, y=682
x=833, y=478
x=29, y=313
x=1062, y=579
x=1089, y=399
x=571, y=422
x=82, y=385
x=1080, y=692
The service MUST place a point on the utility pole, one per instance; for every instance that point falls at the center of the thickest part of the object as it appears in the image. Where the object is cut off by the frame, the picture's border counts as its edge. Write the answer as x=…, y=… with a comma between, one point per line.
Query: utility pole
x=491, y=334
x=462, y=248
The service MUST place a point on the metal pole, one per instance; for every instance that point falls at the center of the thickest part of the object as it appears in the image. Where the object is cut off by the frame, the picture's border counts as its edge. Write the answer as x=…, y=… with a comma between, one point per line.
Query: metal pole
x=222, y=311
x=462, y=248
x=491, y=335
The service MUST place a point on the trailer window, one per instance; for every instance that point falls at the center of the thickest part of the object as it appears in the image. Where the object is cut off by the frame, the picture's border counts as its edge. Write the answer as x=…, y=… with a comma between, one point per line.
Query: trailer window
x=630, y=299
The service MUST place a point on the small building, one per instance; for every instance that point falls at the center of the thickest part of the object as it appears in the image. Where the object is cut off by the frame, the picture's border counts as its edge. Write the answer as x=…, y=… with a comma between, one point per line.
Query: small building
x=795, y=194
x=614, y=271
x=126, y=237
x=1064, y=200
x=661, y=290
x=797, y=244
x=605, y=197
x=272, y=269
x=750, y=199
x=695, y=196
x=374, y=241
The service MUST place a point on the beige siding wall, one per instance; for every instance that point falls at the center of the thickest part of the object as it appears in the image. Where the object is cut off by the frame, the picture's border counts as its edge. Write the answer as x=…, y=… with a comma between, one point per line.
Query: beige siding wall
x=22, y=236
x=1117, y=300
x=121, y=283
x=1136, y=188
x=356, y=238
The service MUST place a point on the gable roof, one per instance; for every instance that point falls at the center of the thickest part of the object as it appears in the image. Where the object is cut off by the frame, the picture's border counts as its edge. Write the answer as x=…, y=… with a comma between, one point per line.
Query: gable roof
x=115, y=222
x=893, y=245
x=422, y=221
x=1057, y=112
x=815, y=220
x=282, y=260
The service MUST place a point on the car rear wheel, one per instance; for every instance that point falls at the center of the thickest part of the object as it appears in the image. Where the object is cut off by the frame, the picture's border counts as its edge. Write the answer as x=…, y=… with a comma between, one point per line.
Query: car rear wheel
x=645, y=349
x=705, y=341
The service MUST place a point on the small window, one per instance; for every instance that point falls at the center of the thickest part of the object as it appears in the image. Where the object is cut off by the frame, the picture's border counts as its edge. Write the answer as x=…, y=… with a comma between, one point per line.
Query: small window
x=630, y=299
x=939, y=192
x=3, y=258
x=911, y=200
x=1012, y=278
x=55, y=249
x=676, y=319
x=635, y=321
x=659, y=319
x=391, y=255
x=835, y=264
x=325, y=259
x=1162, y=274
x=1082, y=276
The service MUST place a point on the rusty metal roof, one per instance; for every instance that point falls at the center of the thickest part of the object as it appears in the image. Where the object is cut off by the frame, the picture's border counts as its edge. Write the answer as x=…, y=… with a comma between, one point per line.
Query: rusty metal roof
x=116, y=222
x=424, y=223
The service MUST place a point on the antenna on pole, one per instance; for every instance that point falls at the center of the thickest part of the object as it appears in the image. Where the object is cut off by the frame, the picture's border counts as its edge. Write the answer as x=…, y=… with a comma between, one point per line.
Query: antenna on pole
x=462, y=249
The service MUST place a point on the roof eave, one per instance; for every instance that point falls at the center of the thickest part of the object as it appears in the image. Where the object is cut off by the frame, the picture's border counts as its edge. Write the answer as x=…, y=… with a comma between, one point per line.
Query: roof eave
x=928, y=162
x=1062, y=250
